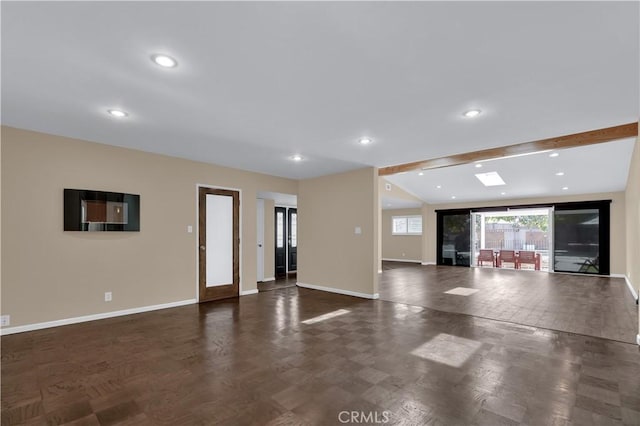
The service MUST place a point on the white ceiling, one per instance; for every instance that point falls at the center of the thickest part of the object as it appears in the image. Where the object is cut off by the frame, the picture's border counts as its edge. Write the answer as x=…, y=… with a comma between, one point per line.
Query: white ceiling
x=260, y=81
x=587, y=169
x=390, y=203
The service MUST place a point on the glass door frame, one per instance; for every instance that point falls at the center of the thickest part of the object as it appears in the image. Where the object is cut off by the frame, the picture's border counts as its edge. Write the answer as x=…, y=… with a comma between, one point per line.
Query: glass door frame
x=440, y=215
x=604, y=232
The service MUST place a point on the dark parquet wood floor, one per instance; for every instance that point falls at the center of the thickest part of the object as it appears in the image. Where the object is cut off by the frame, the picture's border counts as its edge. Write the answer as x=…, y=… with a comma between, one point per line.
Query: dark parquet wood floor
x=288, y=281
x=278, y=358
x=595, y=306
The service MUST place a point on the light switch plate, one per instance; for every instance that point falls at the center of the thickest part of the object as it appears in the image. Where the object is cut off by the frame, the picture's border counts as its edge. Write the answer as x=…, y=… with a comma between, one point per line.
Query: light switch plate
x=189, y=229
x=358, y=230
x=5, y=320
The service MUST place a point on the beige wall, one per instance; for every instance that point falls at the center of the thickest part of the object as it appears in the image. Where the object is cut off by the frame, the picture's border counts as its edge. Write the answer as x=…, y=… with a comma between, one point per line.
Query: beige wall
x=429, y=234
x=401, y=247
x=49, y=274
x=269, y=240
x=618, y=234
x=1, y=310
x=395, y=192
x=379, y=251
x=632, y=194
x=330, y=254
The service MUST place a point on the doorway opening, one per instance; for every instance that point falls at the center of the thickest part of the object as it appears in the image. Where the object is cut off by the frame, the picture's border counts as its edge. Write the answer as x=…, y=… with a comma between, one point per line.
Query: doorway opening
x=517, y=239
x=277, y=240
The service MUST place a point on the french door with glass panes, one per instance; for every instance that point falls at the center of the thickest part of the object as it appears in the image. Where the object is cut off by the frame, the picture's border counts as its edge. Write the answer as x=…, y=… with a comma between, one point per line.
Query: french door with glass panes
x=286, y=223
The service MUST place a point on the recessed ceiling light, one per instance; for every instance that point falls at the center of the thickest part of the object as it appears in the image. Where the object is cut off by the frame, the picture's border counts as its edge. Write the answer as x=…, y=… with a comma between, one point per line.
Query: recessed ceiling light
x=439, y=186
x=453, y=197
x=478, y=166
x=364, y=141
x=564, y=188
x=421, y=174
x=472, y=113
x=553, y=155
x=164, y=61
x=490, y=179
x=117, y=113
x=560, y=174
x=296, y=157
x=503, y=193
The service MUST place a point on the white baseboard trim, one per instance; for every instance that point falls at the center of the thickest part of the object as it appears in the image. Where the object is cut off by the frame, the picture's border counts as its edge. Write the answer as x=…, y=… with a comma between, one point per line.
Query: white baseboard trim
x=631, y=289
x=638, y=339
x=248, y=292
x=94, y=317
x=266, y=280
x=428, y=263
x=339, y=291
x=379, y=271
x=402, y=260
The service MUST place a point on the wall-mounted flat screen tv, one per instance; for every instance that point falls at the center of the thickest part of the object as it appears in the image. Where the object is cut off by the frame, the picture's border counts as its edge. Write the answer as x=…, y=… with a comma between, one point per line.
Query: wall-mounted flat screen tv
x=99, y=211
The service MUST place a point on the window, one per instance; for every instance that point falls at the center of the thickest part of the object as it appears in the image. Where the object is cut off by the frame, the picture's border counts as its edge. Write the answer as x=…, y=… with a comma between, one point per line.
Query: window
x=406, y=225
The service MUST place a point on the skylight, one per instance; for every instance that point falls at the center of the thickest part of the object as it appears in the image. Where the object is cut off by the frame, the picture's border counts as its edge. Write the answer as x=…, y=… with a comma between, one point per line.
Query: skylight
x=490, y=179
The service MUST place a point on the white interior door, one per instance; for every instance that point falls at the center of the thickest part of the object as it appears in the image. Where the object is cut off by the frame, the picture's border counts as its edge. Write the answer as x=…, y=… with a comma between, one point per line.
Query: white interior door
x=477, y=236
x=260, y=238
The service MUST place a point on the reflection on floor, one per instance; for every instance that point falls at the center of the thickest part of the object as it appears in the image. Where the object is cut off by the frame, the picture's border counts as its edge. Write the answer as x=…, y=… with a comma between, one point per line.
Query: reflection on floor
x=288, y=281
x=594, y=306
x=254, y=360
x=462, y=291
x=387, y=265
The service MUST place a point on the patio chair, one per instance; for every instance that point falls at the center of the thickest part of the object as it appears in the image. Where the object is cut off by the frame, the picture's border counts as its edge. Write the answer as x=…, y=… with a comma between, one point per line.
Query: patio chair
x=486, y=255
x=528, y=257
x=590, y=265
x=508, y=256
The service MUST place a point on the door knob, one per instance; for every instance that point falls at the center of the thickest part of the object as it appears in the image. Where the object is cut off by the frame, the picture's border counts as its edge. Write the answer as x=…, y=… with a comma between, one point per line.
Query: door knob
x=202, y=248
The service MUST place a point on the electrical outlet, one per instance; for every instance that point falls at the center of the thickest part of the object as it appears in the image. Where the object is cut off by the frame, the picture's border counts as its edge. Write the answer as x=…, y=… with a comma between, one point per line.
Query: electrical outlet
x=108, y=296
x=5, y=320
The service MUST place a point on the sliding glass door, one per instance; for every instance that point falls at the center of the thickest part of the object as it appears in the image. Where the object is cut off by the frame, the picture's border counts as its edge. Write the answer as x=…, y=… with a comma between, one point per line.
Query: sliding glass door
x=581, y=238
x=454, y=238
x=565, y=237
